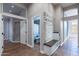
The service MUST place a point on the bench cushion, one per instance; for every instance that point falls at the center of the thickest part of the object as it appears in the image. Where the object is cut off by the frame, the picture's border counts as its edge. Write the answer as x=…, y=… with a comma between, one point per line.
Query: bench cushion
x=51, y=43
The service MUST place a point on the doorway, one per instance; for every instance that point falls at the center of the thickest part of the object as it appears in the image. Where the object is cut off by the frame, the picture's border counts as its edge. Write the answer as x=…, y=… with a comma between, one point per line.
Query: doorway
x=71, y=29
x=11, y=33
x=71, y=37
x=36, y=32
x=12, y=29
x=15, y=33
x=16, y=30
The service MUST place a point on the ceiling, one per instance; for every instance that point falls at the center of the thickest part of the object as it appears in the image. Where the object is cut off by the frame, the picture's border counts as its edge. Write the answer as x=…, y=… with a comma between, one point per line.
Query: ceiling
x=12, y=8
x=64, y=5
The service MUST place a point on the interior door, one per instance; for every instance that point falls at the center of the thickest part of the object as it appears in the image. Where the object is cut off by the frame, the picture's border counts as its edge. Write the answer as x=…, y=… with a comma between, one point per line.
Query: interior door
x=1, y=34
x=35, y=29
x=49, y=31
x=23, y=29
x=17, y=31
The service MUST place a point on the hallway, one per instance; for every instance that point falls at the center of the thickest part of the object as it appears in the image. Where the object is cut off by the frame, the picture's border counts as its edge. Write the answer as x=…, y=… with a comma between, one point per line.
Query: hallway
x=69, y=48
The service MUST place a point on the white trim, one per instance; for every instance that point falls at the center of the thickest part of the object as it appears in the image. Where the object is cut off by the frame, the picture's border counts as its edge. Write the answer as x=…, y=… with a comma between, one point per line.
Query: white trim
x=1, y=51
x=33, y=30
x=64, y=40
x=40, y=32
x=27, y=31
x=32, y=33
x=12, y=15
x=42, y=52
x=78, y=26
x=15, y=41
x=71, y=17
x=30, y=46
x=22, y=43
x=62, y=28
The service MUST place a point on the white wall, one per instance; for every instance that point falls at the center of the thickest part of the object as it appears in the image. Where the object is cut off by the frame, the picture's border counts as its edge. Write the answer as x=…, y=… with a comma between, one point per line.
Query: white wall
x=37, y=9
x=58, y=21
x=33, y=10
x=58, y=17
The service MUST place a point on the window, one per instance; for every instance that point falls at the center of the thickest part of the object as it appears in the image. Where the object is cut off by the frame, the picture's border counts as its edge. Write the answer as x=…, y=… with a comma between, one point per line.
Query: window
x=71, y=12
x=65, y=29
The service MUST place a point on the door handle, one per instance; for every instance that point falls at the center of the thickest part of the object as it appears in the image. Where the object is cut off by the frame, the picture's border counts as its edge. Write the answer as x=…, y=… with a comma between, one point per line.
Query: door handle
x=2, y=33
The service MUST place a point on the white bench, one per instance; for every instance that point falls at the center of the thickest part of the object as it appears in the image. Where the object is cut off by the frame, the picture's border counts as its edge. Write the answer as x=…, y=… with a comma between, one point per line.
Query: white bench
x=51, y=46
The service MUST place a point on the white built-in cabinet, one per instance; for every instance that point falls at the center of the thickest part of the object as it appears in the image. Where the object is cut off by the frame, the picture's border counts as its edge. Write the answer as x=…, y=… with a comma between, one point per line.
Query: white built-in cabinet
x=48, y=25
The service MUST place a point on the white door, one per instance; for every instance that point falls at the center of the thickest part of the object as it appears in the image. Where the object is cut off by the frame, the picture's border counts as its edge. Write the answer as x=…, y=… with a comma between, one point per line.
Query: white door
x=23, y=32
x=49, y=31
x=1, y=35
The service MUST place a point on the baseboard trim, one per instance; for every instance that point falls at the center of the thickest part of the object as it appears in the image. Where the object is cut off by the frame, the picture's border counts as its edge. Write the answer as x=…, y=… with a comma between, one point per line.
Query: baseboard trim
x=1, y=51
x=23, y=43
x=42, y=52
x=15, y=41
x=29, y=46
x=61, y=44
x=64, y=41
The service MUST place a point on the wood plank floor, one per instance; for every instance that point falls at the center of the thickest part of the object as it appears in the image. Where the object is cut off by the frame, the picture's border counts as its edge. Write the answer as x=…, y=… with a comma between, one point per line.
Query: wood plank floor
x=17, y=49
x=70, y=48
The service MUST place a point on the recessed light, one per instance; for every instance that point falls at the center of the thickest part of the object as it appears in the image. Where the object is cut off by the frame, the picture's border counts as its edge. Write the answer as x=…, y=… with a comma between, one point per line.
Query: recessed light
x=12, y=6
x=10, y=10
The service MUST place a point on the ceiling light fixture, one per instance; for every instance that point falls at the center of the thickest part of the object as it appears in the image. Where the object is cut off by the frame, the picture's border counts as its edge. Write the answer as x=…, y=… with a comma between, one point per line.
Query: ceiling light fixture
x=12, y=6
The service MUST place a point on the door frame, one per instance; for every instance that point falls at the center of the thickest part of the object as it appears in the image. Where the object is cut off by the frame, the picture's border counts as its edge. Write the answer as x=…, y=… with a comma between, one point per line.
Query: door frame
x=62, y=28
x=26, y=21
x=18, y=17
x=66, y=18
x=2, y=37
x=33, y=30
